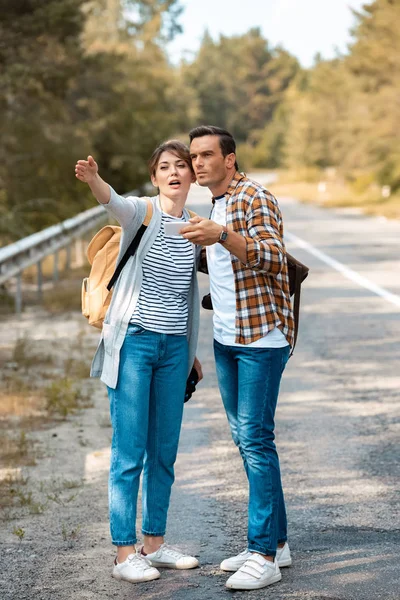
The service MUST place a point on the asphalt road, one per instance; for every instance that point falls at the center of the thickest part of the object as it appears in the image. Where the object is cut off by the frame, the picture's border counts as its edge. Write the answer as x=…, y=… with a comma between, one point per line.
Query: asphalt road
x=337, y=422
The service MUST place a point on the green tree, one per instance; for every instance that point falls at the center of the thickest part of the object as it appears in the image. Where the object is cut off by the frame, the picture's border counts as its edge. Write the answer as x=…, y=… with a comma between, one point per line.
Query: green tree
x=375, y=62
x=68, y=89
x=239, y=81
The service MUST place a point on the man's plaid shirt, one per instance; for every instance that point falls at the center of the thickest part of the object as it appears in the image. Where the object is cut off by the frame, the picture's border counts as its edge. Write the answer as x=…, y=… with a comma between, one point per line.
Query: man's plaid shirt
x=262, y=285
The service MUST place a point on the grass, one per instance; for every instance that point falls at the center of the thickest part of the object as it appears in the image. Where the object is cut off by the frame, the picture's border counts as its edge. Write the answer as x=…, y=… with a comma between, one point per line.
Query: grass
x=10, y=484
x=17, y=498
x=76, y=368
x=15, y=495
x=63, y=398
x=56, y=489
x=38, y=388
x=59, y=499
x=26, y=356
x=18, y=449
x=19, y=532
x=70, y=535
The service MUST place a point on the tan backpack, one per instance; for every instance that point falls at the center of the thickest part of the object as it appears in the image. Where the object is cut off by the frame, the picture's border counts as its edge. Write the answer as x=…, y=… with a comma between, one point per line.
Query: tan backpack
x=102, y=254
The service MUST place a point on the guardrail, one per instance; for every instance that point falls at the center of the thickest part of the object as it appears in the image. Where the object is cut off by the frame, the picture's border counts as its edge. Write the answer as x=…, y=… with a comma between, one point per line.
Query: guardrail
x=16, y=257
x=31, y=250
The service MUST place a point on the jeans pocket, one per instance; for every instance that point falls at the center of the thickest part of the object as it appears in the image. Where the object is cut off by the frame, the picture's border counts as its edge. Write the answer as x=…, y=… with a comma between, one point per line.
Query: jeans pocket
x=134, y=329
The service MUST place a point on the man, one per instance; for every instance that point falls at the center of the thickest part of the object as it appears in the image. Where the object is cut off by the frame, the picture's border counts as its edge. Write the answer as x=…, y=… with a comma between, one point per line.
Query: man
x=253, y=333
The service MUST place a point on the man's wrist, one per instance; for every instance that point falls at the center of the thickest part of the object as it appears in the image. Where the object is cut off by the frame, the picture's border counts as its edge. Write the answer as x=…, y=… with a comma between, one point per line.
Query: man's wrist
x=223, y=236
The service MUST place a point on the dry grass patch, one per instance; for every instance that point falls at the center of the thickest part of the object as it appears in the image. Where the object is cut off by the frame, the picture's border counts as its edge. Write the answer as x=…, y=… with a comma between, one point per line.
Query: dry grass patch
x=39, y=387
x=338, y=193
x=11, y=481
x=63, y=397
x=16, y=499
x=25, y=355
x=17, y=448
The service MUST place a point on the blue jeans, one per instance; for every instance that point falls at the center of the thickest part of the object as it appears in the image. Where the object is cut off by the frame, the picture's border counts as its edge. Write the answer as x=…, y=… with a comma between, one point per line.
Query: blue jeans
x=249, y=380
x=146, y=415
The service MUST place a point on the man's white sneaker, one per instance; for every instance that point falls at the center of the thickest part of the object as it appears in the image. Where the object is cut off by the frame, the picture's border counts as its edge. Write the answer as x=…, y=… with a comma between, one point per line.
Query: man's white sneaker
x=234, y=563
x=171, y=558
x=135, y=569
x=256, y=573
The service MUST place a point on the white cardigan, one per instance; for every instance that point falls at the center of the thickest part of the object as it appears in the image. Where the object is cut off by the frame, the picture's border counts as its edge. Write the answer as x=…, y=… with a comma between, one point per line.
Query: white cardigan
x=130, y=213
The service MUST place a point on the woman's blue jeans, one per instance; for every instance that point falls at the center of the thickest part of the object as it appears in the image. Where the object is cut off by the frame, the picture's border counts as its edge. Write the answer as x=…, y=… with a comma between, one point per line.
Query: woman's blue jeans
x=146, y=415
x=249, y=380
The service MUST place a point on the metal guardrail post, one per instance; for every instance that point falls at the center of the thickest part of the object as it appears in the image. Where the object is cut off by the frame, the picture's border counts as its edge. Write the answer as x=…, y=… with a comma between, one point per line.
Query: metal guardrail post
x=39, y=280
x=18, y=295
x=68, y=258
x=55, y=266
x=78, y=253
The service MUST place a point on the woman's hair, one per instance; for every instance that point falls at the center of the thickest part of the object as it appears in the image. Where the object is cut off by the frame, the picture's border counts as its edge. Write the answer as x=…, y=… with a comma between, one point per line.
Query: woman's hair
x=174, y=146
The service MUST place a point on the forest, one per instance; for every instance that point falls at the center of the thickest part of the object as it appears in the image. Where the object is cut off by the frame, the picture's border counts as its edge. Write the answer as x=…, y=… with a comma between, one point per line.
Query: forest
x=94, y=76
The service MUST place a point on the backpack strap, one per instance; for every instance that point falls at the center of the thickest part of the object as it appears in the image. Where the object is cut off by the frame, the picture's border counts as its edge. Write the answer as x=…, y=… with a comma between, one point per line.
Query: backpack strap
x=296, y=304
x=149, y=212
x=133, y=246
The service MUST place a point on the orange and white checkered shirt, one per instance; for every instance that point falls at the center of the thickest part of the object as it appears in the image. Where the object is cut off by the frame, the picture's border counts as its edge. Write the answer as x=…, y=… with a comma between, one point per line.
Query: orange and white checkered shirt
x=262, y=284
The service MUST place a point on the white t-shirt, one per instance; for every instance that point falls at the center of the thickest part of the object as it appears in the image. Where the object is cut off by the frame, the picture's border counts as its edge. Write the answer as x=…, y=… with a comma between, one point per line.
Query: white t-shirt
x=222, y=287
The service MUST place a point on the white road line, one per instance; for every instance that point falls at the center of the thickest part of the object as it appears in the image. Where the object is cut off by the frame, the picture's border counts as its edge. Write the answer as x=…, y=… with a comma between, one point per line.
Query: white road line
x=349, y=273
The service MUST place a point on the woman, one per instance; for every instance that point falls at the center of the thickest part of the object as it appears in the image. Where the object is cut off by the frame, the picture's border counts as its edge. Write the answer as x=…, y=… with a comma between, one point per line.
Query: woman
x=146, y=351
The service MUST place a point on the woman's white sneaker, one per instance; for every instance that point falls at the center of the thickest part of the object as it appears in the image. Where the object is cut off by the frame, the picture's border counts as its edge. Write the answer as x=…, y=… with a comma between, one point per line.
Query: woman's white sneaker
x=171, y=558
x=257, y=572
x=135, y=569
x=283, y=556
x=234, y=563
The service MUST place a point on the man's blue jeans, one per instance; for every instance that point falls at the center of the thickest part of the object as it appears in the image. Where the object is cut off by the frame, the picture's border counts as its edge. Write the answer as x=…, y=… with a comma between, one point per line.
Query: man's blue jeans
x=249, y=380
x=146, y=414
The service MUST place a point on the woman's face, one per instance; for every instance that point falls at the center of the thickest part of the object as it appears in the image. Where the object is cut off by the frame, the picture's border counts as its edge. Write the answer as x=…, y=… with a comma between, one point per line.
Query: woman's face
x=173, y=176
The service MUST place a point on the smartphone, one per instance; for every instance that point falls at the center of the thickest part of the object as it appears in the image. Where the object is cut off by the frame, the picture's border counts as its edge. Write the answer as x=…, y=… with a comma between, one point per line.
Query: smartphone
x=172, y=228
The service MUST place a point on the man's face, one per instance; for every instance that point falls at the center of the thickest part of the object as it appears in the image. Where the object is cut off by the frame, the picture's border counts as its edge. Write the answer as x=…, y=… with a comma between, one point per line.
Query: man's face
x=209, y=165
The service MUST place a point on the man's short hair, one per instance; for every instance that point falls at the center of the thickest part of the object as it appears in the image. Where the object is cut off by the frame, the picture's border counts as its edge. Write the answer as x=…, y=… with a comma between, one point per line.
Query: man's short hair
x=226, y=140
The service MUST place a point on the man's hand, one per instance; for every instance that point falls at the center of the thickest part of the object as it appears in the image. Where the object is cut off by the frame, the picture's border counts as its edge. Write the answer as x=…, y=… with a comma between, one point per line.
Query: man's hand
x=205, y=233
x=202, y=231
x=197, y=366
x=86, y=170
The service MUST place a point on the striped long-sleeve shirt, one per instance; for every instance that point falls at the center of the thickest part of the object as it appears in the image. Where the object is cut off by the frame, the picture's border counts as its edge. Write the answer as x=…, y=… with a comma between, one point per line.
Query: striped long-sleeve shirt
x=167, y=272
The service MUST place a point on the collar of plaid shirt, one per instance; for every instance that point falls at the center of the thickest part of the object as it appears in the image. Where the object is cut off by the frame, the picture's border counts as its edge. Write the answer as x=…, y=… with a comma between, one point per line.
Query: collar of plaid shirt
x=262, y=284
x=236, y=178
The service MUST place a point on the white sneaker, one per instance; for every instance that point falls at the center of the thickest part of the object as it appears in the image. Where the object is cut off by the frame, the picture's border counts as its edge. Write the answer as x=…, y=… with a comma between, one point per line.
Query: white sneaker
x=172, y=558
x=256, y=573
x=234, y=563
x=283, y=556
x=135, y=569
